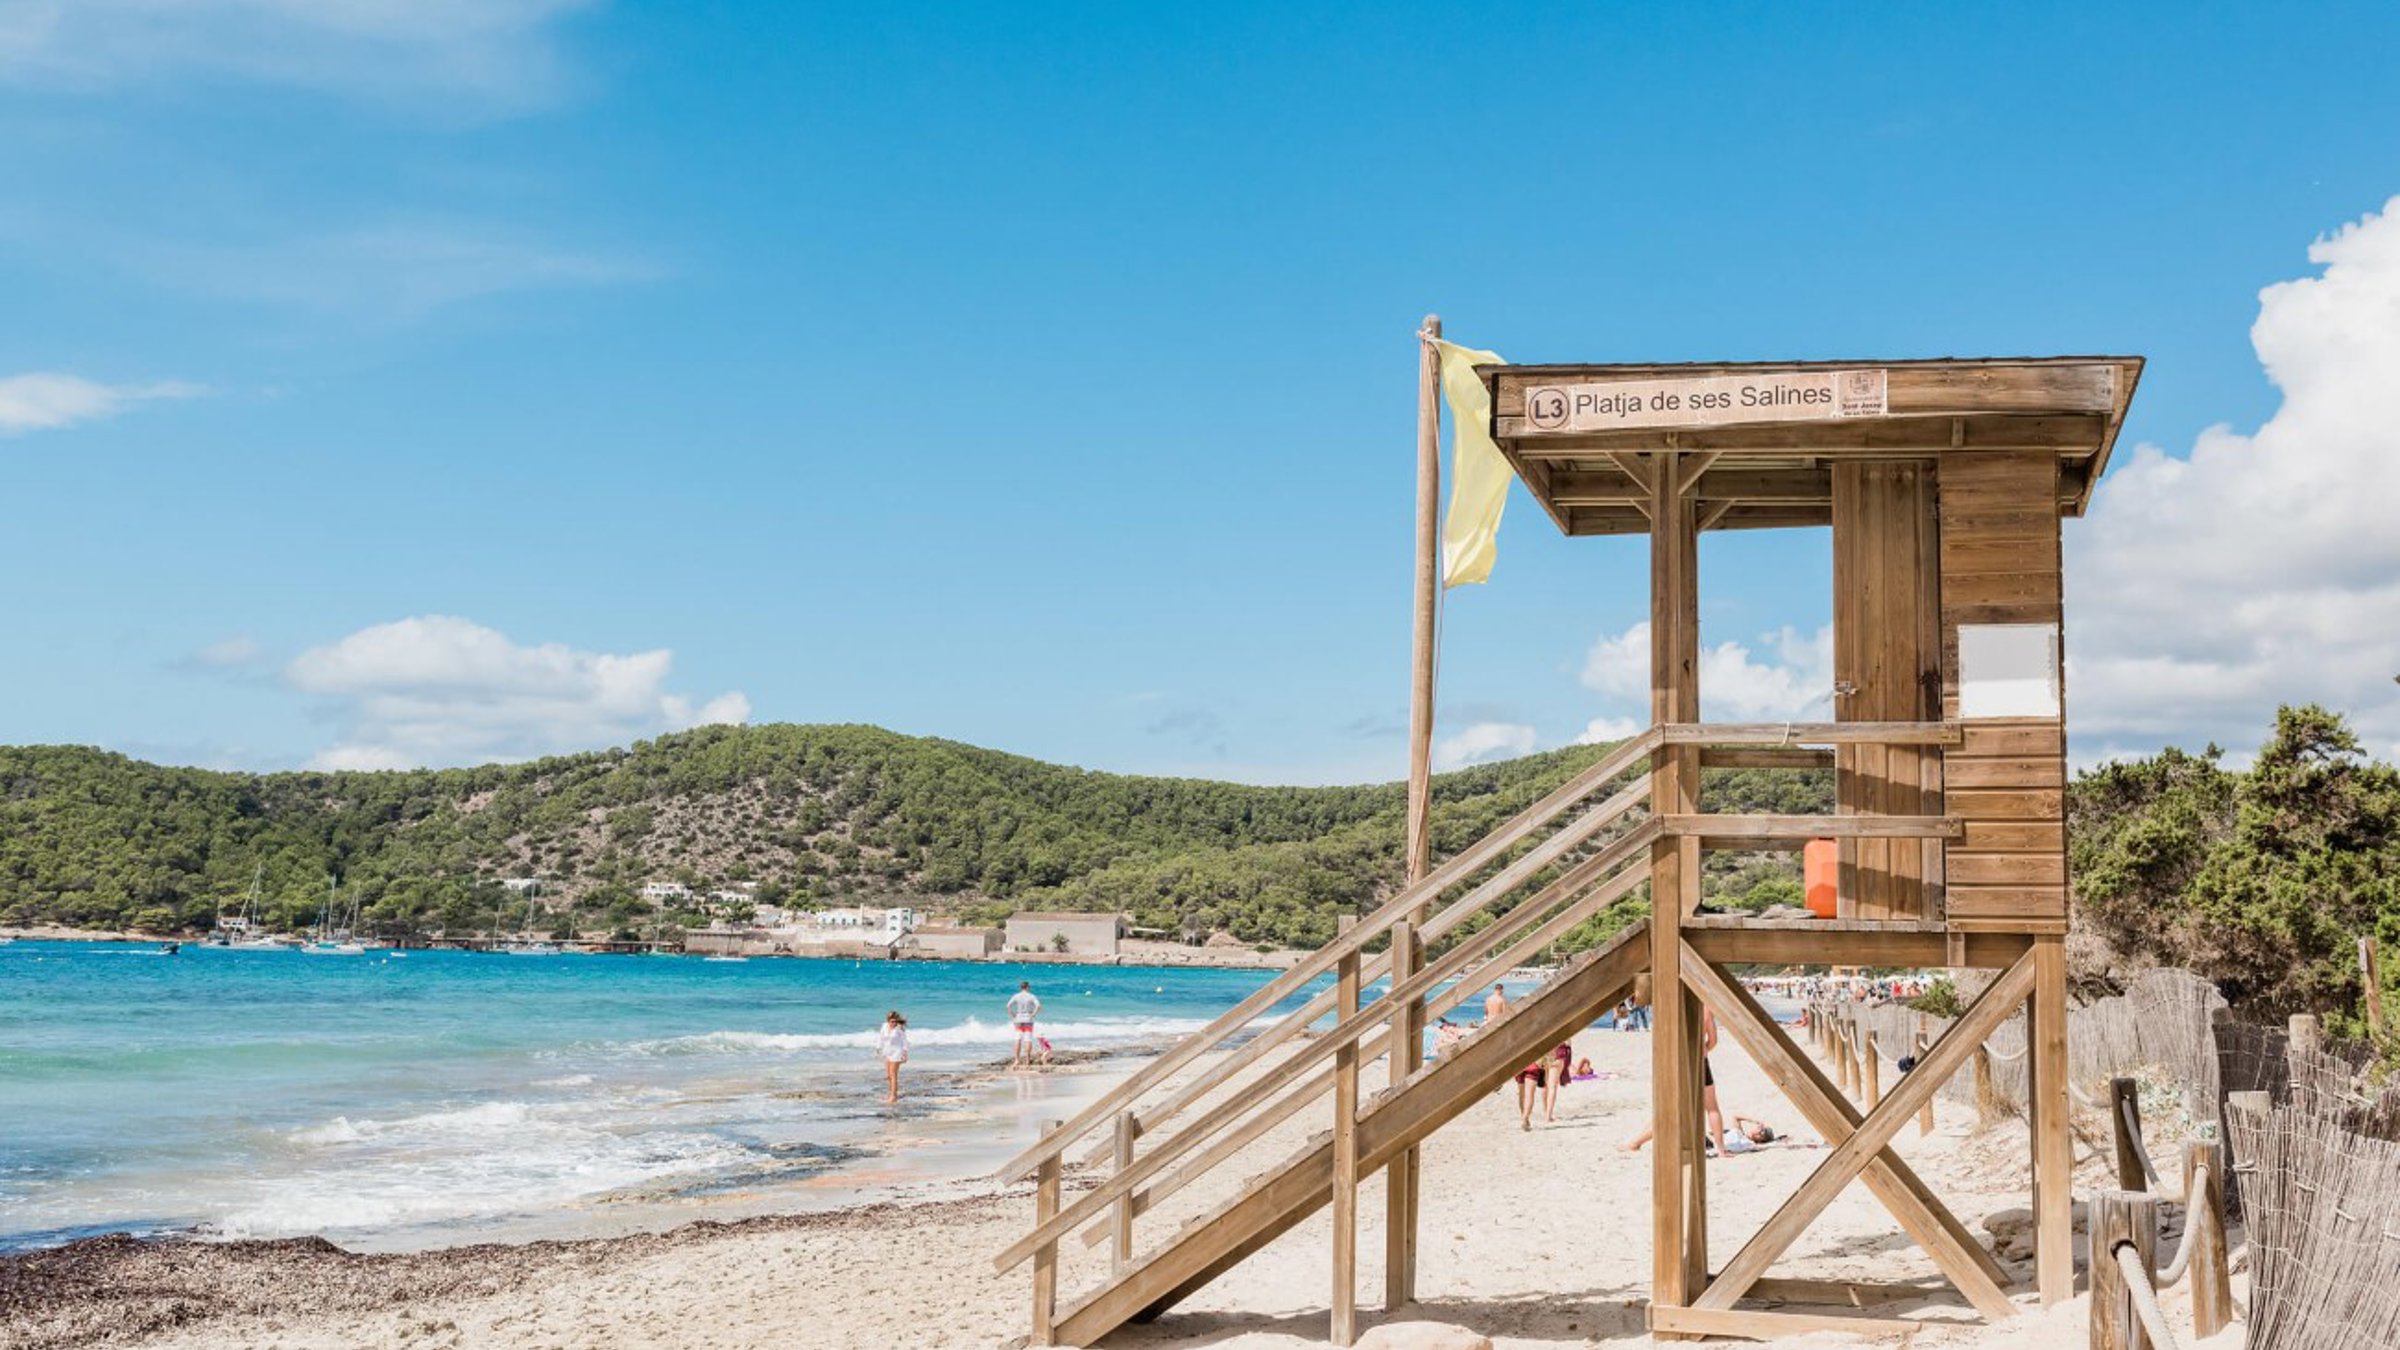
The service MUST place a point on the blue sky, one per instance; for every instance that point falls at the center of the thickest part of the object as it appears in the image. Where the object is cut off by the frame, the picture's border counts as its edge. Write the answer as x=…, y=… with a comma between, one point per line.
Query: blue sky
x=388, y=382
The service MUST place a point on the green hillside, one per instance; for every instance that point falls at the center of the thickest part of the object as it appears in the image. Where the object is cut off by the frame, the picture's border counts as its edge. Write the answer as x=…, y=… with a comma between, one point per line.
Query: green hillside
x=2262, y=878
x=814, y=815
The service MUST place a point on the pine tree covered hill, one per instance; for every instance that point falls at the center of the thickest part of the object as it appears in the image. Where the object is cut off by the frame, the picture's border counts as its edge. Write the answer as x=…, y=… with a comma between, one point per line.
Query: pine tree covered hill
x=815, y=815
x=2260, y=879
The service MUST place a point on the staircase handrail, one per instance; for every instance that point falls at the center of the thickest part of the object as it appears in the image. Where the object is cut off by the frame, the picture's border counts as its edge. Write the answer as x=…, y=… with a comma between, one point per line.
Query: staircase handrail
x=1375, y=925
x=1474, y=902
x=1274, y=1113
x=1583, y=876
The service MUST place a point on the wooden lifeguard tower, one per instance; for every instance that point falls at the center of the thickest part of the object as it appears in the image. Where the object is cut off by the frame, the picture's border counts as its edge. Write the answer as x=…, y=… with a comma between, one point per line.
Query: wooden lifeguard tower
x=1944, y=483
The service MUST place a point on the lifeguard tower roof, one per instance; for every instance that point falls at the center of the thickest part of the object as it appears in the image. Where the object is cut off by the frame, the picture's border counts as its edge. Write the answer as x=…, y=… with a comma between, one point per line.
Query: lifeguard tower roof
x=1763, y=436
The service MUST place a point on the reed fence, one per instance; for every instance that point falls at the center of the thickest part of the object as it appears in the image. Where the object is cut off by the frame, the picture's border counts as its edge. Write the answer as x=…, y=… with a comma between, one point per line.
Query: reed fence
x=2305, y=1131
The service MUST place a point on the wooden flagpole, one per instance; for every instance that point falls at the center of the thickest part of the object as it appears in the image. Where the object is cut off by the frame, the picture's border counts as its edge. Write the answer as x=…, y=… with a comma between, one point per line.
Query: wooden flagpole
x=1407, y=1036
x=1428, y=590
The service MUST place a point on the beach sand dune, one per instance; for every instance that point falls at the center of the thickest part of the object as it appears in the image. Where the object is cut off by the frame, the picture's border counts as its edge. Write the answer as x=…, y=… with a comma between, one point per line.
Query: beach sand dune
x=1535, y=1239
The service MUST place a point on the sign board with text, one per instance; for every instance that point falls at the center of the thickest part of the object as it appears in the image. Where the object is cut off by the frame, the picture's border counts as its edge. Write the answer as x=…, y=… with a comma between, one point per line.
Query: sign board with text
x=1707, y=400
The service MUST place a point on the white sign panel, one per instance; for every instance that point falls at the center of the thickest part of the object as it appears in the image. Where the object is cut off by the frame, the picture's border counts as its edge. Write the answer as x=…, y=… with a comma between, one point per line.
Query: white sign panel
x=2008, y=670
x=1708, y=400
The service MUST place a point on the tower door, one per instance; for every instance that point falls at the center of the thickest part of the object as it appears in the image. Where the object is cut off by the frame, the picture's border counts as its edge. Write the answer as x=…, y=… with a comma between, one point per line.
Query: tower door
x=1887, y=668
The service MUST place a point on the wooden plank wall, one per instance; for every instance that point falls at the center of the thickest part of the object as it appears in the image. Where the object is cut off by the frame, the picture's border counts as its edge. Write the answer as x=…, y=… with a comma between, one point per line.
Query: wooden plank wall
x=1887, y=653
x=2000, y=564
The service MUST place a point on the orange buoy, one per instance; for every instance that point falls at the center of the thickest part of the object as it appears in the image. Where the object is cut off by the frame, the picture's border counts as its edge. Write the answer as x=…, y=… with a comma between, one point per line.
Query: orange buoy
x=1820, y=872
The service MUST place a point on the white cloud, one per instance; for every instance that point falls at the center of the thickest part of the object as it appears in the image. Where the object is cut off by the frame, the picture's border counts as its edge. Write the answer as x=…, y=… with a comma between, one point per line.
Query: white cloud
x=491, y=53
x=1793, y=682
x=2264, y=568
x=1607, y=730
x=1482, y=743
x=47, y=400
x=438, y=690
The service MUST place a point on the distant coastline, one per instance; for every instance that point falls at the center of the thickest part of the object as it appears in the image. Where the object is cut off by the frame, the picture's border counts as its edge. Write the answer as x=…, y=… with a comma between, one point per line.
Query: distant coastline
x=1156, y=955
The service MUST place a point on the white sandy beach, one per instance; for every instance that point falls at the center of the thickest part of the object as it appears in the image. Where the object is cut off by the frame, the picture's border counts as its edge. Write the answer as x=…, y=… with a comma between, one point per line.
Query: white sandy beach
x=1536, y=1240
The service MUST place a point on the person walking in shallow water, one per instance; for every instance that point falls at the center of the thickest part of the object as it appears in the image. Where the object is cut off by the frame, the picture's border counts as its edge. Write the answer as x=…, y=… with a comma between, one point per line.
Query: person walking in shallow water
x=891, y=1045
x=1022, y=1009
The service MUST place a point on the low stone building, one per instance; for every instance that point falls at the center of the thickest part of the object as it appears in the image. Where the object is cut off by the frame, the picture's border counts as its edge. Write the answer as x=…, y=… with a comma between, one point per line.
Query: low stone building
x=956, y=944
x=1084, y=934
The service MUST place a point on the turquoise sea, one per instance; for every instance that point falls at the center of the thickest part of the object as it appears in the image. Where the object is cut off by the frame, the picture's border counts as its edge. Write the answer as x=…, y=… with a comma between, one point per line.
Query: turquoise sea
x=392, y=1100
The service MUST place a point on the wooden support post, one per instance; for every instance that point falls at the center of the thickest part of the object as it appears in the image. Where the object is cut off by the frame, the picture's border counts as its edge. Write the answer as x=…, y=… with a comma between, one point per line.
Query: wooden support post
x=1345, y=1317
x=2117, y=1219
x=1400, y=1175
x=2305, y=1034
x=1345, y=1153
x=1987, y=1097
x=2370, y=979
x=1844, y=1075
x=2204, y=1203
x=2046, y=1095
x=1916, y=1055
x=1678, y=1185
x=2125, y=1118
x=1129, y=1128
x=1045, y=1257
x=1871, y=1062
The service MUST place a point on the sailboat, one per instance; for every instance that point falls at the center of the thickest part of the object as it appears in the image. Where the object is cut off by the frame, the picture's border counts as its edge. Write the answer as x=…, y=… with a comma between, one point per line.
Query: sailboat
x=252, y=940
x=325, y=944
x=534, y=948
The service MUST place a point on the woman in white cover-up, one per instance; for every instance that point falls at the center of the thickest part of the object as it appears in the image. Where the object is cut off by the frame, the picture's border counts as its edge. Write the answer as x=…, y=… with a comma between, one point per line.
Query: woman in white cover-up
x=891, y=1045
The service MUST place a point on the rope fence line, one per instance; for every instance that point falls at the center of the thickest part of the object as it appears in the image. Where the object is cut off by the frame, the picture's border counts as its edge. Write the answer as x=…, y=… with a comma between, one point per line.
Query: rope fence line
x=2145, y=1299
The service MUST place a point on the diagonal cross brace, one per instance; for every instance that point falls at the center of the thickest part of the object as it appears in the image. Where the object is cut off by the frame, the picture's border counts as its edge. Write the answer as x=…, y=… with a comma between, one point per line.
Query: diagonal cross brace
x=1968, y=1266
x=1862, y=1145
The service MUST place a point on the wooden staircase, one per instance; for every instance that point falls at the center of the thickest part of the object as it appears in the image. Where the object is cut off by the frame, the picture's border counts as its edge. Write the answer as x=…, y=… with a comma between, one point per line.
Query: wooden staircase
x=1500, y=902
x=1302, y=1184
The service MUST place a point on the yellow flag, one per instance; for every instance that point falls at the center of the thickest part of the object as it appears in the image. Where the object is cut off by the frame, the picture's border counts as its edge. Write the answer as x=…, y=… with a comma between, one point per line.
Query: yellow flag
x=1479, y=473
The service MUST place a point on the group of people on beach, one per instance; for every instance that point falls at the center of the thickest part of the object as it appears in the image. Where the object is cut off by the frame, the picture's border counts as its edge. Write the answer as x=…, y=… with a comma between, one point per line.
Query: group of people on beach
x=1031, y=1050
x=1538, y=1083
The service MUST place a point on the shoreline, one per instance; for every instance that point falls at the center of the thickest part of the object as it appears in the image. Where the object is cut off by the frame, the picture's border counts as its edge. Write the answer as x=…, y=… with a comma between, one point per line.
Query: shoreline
x=1507, y=1250
x=1170, y=956
x=941, y=1144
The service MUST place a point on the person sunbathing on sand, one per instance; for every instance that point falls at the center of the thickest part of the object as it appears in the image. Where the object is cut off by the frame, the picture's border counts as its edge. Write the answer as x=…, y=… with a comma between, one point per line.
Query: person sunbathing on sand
x=1747, y=1135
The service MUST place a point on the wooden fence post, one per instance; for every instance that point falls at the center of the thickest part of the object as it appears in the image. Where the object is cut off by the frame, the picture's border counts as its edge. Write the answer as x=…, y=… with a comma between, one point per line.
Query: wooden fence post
x=1987, y=1097
x=2370, y=975
x=2117, y=1218
x=2305, y=1034
x=1344, y=1328
x=2125, y=1115
x=1871, y=1063
x=2204, y=1200
x=1045, y=1257
x=1128, y=1129
x=1917, y=1055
